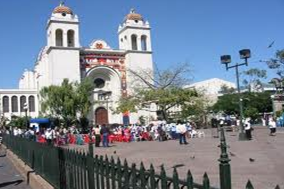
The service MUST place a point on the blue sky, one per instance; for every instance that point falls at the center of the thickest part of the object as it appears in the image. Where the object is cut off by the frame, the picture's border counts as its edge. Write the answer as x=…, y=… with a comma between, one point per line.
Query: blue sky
x=193, y=31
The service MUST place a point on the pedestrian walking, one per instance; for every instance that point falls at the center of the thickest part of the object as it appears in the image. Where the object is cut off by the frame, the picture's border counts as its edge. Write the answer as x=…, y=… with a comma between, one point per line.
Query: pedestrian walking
x=272, y=126
x=105, y=132
x=97, y=132
x=248, y=128
x=181, y=129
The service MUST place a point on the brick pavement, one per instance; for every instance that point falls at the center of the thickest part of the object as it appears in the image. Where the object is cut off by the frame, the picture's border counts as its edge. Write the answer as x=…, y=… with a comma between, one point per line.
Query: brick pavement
x=202, y=155
x=10, y=178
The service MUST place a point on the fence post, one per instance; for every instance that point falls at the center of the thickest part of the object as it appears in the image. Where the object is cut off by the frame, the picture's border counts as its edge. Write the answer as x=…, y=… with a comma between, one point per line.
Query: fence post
x=224, y=166
x=90, y=166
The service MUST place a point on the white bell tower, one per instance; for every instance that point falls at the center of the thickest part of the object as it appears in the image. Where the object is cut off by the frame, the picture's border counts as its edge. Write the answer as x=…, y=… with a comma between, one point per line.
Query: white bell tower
x=135, y=37
x=63, y=45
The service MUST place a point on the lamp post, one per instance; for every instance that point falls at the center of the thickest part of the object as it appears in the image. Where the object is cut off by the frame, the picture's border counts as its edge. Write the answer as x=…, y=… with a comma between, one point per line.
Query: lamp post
x=226, y=59
x=26, y=114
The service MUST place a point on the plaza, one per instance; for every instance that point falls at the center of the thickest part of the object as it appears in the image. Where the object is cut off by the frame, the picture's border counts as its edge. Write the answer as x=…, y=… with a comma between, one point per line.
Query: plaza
x=82, y=80
x=202, y=154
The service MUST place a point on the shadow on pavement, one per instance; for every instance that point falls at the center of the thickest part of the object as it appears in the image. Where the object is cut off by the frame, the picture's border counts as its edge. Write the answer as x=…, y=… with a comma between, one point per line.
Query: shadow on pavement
x=16, y=182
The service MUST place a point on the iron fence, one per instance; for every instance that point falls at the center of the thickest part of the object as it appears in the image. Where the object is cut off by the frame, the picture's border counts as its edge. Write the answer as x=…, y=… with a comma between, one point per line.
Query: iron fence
x=70, y=169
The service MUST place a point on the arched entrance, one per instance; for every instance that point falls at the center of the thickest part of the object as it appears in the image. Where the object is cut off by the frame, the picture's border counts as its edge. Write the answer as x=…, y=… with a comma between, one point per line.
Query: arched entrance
x=101, y=116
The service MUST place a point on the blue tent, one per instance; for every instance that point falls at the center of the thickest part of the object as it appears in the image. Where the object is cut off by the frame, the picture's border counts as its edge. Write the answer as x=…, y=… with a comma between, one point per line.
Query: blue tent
x=39, y=120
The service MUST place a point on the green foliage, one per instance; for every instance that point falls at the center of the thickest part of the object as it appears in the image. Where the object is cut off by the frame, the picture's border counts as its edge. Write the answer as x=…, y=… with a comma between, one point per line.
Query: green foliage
x=83, y=91
x=128, y=103
x=229, y=103
x=253, y=78
x=225, y=89
x=68, y=100
x=163, y=98
x=19, y=122
x=251, y=112
x=277, y=63
x=278, y=113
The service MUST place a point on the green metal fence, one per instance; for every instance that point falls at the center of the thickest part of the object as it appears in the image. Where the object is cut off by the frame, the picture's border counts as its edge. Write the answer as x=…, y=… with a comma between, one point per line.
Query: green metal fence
x=42, y=158
x=69, y=169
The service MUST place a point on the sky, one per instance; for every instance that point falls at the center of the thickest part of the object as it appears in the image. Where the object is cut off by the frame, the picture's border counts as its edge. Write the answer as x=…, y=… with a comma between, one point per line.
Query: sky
x=197, y=32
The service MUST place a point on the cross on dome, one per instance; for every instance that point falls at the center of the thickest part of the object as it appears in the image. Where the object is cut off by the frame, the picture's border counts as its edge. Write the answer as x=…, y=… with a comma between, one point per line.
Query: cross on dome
x=133, y=15
x=62, y=9
x=132, y=10
x=62, y=3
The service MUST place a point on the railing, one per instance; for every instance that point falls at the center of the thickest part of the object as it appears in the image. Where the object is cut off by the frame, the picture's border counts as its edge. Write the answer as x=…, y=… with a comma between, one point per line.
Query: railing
x=42, y=158
x=69, y=169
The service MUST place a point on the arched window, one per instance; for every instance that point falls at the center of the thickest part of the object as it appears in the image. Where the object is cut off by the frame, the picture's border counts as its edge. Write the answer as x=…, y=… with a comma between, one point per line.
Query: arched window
x=59, y=38
x=5, y=104
x=134, y=42
x=31, y=104
x=70, y=38
x=23, y=100
x=144, y=43
x=14, y=104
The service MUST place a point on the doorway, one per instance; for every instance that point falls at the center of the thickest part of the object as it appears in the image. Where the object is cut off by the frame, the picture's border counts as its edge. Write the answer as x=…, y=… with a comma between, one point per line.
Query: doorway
x=101, y=116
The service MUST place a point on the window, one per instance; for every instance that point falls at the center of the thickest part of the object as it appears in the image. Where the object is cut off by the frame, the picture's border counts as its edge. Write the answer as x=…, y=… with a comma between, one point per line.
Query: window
x=70, y=38
x=59, y=38
x=31, y=104
x=5, y=104
x=23, y=100
x=14, y=104
x=144, y=43
x=134, y=42
x=99, y=83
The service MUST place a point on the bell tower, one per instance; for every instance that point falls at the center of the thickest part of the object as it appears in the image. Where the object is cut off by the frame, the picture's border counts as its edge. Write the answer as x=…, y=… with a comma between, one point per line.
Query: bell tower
x=135, y=38
x=63, y=45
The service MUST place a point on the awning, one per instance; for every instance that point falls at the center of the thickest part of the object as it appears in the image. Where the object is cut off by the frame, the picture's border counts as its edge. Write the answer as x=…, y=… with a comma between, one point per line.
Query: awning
x=39, y=120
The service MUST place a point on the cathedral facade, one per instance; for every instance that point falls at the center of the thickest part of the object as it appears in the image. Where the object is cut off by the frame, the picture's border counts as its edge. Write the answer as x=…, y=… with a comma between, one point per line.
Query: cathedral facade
x=108, y=68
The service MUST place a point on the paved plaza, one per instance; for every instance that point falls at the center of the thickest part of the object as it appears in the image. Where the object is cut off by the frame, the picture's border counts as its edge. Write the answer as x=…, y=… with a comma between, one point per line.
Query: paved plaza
x=202, y=155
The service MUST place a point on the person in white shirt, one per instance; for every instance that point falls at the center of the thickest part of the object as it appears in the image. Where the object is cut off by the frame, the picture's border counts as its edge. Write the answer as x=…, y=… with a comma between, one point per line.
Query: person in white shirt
x=16, y=132
x=181, y=129
x=248, y=128
x=49, y=135
x=272, y=126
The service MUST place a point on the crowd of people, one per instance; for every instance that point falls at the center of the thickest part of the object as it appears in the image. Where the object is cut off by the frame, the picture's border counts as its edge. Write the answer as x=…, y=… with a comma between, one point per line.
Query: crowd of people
x=103, y=134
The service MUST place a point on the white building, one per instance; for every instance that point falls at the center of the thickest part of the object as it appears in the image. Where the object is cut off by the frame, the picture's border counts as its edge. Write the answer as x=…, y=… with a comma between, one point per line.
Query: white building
x=211, y=88
x=64, y=57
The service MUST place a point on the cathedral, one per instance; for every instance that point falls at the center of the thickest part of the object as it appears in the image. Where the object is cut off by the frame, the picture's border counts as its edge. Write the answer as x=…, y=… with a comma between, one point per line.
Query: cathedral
x=108, y=68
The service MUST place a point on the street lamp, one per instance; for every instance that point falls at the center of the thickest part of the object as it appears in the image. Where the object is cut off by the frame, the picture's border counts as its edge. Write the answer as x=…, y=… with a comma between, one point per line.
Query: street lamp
x=26, y=114
x=226, y=59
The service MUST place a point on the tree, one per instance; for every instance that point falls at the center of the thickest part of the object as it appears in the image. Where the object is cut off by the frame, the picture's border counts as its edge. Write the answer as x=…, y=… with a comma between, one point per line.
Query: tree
x=252, y=79
x=83, y=104
x=67, y=101
x=164, y=89
x=229, y=103
x=225, y=89
x=197, y=110
x=59, y=101
x=19, y=122
x=277, y=63
x=251, y=112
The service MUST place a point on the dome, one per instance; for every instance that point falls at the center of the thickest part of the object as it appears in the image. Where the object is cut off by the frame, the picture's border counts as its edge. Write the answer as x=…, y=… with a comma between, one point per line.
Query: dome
x=62, y=9
x=133, y=16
